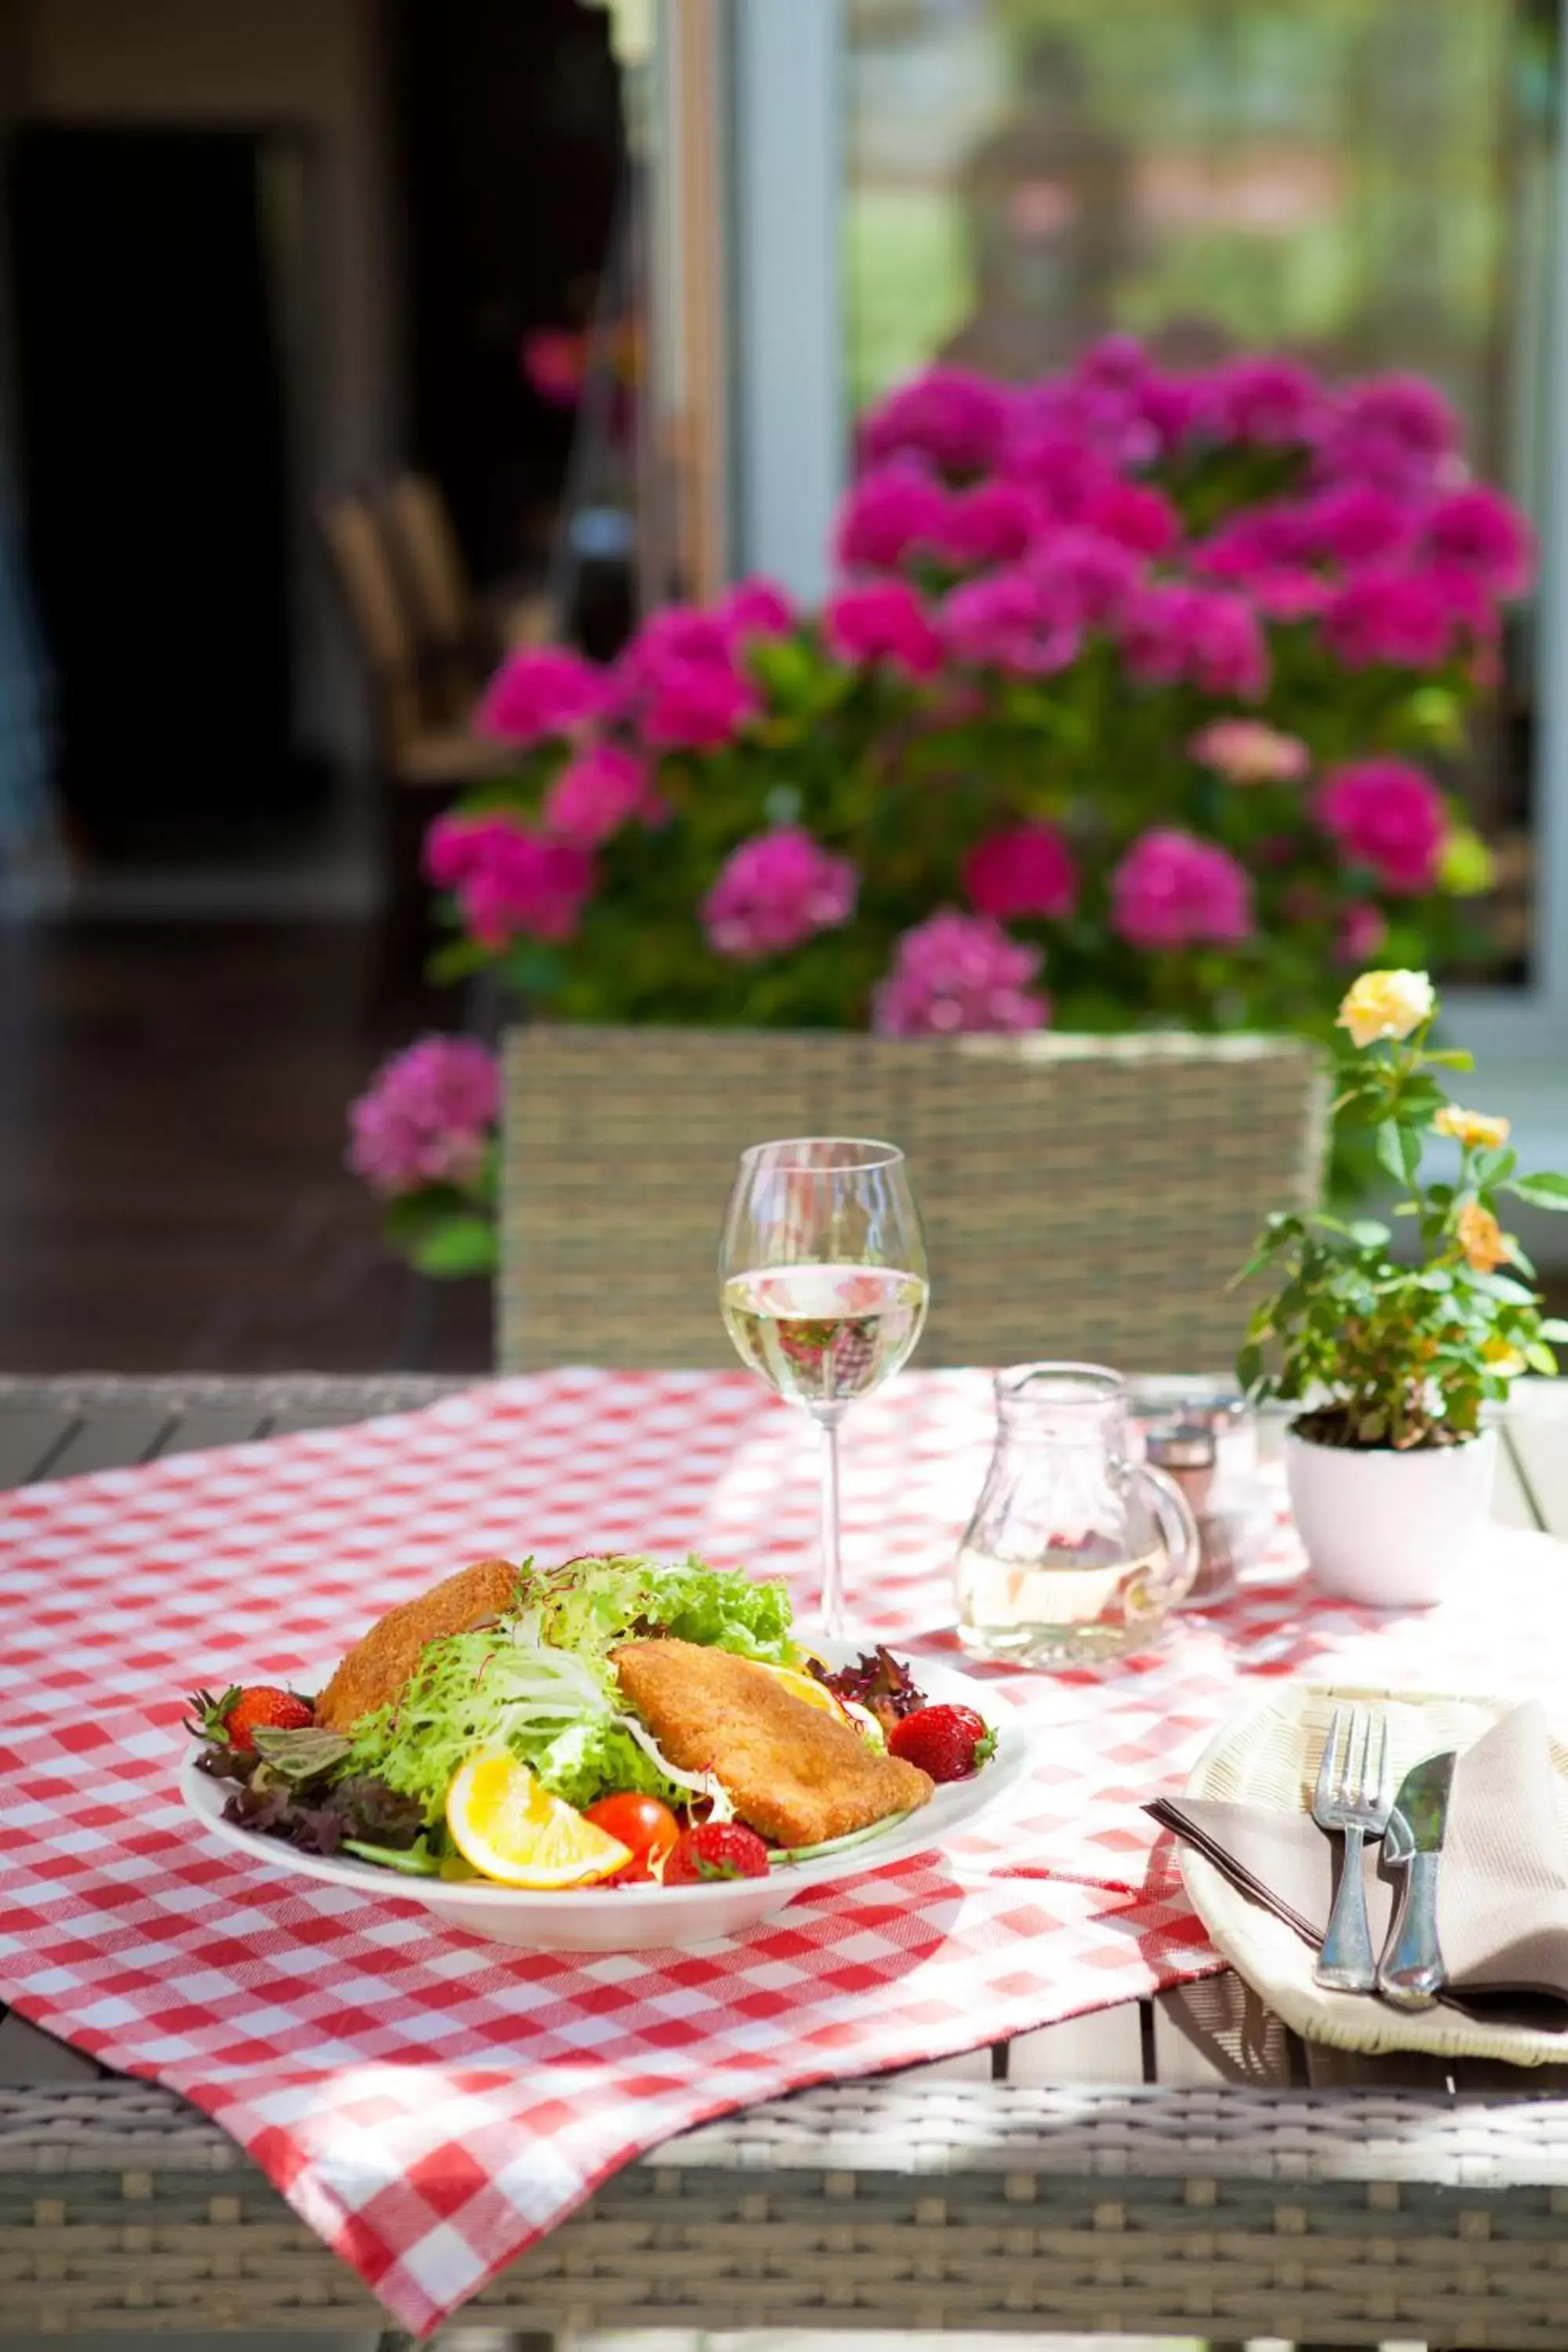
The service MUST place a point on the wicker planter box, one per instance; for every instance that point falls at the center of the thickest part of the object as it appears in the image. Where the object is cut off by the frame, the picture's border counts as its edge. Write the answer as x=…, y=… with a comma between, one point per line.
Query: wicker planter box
x=1083, y=1196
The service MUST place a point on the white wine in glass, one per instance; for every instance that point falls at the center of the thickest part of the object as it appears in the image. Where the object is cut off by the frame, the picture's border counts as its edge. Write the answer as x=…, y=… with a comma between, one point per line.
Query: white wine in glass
x=822, y=1282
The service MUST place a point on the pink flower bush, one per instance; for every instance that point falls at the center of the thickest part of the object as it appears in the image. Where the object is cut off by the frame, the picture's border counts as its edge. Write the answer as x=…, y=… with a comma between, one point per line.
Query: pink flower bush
x=1090, y=580
x=1403, y=618
x=426, y=1118
x=1202, y=636
x=1009, y=621
x=601, y=789
x=1359, y=934
x=1250, y=751
x=954, y=419
x=774, y=892
x=884, y=625
x=1134, y=517
x=897, y=512
x=542, y=692
x=1397, y=430
x=1173, y=891
x=1272, y=403
x=756, y=609
x=1027, y=871
x=1475, y=531
x=695, y=706
x=994, y=522
x=956, y=973
x=508, y=883
x=1156, y=616
x=1388, y=816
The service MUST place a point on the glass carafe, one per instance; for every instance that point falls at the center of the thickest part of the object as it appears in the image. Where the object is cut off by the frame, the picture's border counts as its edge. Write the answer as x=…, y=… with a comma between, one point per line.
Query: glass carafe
x=1076, y=1550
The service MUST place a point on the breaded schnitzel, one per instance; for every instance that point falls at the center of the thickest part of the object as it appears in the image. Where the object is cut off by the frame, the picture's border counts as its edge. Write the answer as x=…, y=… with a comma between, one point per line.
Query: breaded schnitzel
x=797, y=1773
x=377, y=1668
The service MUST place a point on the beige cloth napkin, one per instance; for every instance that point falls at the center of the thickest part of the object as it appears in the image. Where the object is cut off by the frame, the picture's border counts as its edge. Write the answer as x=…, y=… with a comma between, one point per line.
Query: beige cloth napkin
x=1502, y=1892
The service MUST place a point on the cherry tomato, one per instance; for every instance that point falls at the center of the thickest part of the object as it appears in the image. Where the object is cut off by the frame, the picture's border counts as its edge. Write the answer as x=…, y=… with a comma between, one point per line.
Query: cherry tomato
x=643, y=1824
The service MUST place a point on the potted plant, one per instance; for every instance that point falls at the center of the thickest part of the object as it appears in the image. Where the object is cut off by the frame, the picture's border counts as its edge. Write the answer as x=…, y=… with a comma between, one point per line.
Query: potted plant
x=1393, y=1351
x=1133, y=705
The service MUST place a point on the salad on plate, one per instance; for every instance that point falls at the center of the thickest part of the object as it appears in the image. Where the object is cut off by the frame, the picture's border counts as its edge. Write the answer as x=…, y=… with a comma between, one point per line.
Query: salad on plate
x=613, y=1721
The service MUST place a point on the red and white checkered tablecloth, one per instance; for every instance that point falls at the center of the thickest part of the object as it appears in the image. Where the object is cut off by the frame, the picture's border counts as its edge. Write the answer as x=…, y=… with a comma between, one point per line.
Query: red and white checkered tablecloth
x=431, y=2104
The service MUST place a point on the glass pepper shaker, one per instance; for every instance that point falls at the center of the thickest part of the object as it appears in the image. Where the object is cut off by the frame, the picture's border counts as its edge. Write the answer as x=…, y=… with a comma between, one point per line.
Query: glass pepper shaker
x=1187, y=1454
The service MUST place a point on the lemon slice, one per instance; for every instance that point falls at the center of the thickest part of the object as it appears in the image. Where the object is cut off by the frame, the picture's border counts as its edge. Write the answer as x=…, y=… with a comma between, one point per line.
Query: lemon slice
x=806, y=1687
x=509, y=1826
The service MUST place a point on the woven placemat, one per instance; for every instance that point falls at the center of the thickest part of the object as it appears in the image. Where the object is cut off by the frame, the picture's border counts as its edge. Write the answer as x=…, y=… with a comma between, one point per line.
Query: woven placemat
x=1269, y=1757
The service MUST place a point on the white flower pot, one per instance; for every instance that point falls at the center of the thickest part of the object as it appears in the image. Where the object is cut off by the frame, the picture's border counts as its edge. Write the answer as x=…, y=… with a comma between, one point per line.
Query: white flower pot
x=1390, y=1529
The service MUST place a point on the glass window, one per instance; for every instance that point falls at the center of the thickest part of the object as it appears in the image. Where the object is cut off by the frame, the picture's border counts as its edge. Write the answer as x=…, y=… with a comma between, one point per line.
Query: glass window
x=1366, y=184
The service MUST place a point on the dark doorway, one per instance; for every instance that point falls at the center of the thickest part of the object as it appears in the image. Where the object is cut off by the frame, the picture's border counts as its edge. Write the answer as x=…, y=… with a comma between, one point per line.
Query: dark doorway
x=156, y=479
x=514, y=159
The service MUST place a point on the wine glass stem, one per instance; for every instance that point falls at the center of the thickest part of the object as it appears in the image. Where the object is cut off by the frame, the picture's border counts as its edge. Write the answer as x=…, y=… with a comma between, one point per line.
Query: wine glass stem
x=832, y=1564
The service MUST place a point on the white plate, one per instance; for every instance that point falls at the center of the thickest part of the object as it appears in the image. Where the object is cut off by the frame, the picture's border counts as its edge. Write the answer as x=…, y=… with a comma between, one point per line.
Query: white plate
x=1269, y=1757
x=638, y=1918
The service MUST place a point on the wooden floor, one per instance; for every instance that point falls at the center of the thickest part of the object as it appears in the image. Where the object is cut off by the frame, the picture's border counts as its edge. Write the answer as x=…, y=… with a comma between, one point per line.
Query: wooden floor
x=171, y=1127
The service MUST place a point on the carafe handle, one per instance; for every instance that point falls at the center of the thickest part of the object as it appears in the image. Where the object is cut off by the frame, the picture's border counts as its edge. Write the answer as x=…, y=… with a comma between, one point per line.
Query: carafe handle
x=1178, y=1533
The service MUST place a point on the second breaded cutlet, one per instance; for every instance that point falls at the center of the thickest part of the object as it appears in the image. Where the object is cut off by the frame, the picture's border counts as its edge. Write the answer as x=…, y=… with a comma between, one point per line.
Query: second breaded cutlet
x=377, y=1668
x=797, y=1773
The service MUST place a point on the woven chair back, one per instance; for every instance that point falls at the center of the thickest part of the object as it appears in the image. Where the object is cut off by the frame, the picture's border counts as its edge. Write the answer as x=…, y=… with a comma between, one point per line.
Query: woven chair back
x=1082, y=1196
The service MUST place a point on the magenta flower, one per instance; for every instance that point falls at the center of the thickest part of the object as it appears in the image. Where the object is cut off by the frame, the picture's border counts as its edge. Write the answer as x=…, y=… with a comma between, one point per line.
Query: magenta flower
x=1249, y=751
x=1172, y=890
x=885, y=623
x=538, y=692
x=754, y=609
x=1359, y=523
x=1064, y=473
x=1388, y=816
x=1397, y=430
x=1135, y=517
x=1481, y=532
x=1090, y=580
x=1385, y=614
x=1262, y=540
x=426, y=1118
x=1290, y=593
x=1173, y=633
x=676, y=634
x=1009, y=621
x=957, y=973
x=1362, y=930
x=696, y=706
x=509, y=883
x=1027, y=871
x=596, y=793
x=889, y=514
x=1269, y=402
x=954, y=419
x=995, y=522
x=776, y=891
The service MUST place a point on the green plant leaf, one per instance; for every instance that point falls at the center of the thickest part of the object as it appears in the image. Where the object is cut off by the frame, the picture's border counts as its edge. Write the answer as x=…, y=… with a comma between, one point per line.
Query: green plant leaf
x=1453, y=1057
x=1543, y=1192
x=457, y=1245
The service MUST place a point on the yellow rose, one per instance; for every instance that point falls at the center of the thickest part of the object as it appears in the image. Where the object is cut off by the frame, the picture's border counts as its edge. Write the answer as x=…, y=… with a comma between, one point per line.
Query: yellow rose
x=1386, y=1004
x=1480, y=1237
x=1472, y=1127
x=1503, y=1357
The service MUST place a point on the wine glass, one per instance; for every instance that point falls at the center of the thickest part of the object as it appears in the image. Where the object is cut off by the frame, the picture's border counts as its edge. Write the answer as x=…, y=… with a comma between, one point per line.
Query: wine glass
x=822, y=1284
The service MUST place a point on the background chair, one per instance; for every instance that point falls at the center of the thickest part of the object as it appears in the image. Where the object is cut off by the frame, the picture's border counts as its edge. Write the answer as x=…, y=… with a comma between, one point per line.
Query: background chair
x=1082, y=1196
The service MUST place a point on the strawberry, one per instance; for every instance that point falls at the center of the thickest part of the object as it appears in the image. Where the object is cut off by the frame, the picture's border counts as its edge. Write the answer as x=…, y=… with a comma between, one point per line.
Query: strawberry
x=232, y=1719
x=716, y=1850
x=948, y=1742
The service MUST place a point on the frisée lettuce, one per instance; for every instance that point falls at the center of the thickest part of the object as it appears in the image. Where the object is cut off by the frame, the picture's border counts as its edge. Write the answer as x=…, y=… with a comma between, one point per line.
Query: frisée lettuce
x=540, y=1682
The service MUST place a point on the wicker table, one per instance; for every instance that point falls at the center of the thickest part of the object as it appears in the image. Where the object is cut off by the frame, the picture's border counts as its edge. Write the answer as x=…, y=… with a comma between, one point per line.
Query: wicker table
x=1182, y=2166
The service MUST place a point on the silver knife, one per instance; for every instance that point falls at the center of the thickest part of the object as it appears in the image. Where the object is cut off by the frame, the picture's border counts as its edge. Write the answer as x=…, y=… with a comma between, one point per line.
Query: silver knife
x=1411, y=1973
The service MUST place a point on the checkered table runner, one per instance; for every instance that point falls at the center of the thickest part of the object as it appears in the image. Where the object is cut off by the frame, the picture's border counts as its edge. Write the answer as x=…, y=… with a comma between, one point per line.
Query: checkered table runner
x=431, y=2104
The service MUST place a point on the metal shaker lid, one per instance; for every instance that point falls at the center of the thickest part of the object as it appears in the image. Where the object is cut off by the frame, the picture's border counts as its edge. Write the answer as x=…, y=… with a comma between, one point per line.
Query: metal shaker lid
x=1180, y=1445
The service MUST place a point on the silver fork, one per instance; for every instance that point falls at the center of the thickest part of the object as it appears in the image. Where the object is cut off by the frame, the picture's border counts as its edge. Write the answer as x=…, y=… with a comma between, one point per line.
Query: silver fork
x=1353, y=1798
